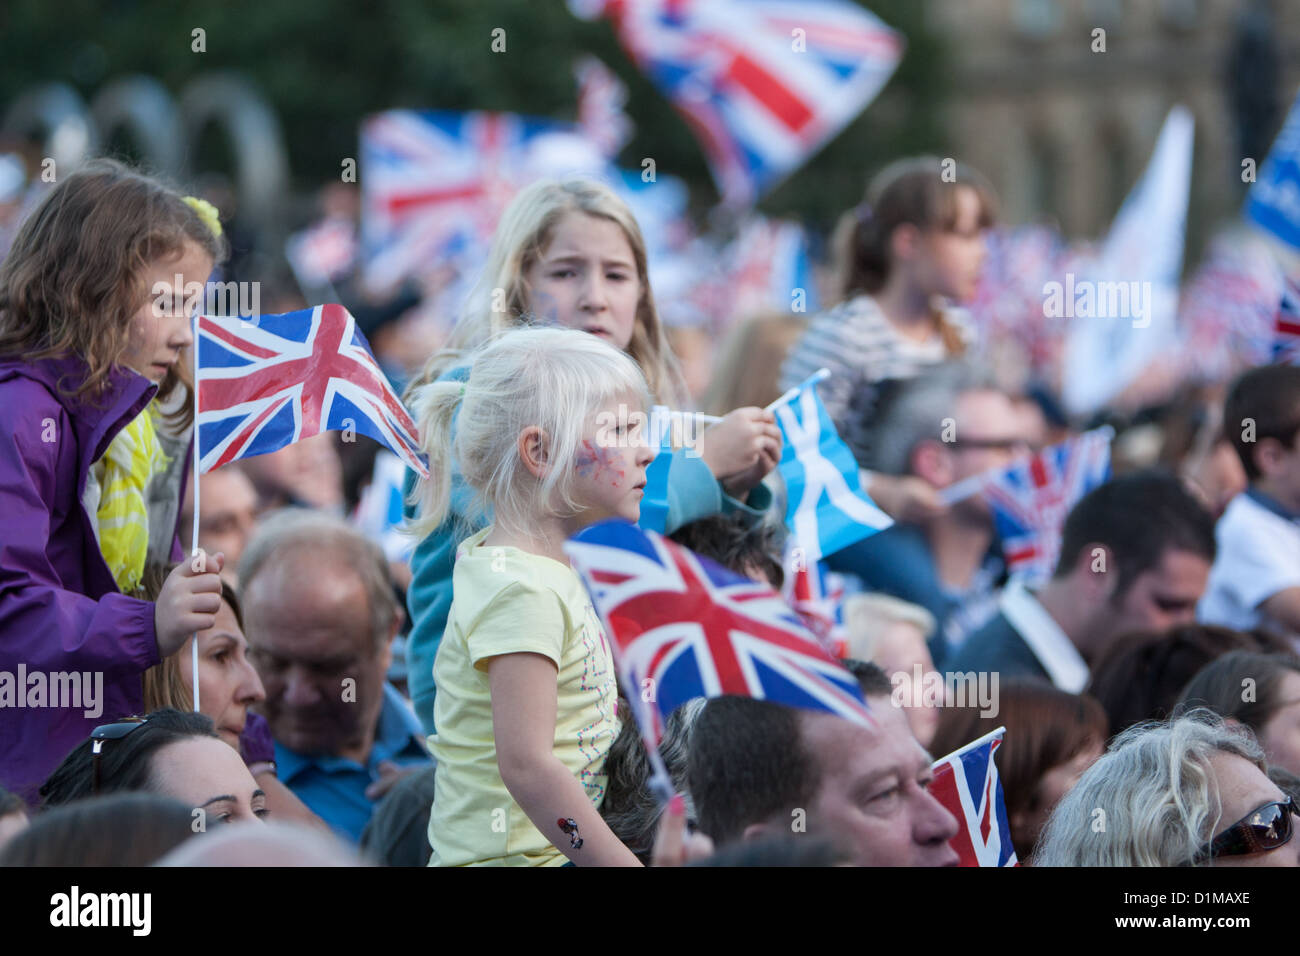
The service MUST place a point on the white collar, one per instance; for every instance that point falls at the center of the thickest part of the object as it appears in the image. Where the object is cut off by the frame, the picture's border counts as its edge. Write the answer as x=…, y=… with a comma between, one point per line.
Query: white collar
x=1054, y=650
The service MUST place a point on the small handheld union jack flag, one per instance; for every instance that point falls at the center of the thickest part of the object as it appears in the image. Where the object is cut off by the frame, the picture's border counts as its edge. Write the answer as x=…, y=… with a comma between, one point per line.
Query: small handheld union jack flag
x=684, y=627
x=966, y=782
x=1286, y=329
x=278, y=379
x=1031, y=499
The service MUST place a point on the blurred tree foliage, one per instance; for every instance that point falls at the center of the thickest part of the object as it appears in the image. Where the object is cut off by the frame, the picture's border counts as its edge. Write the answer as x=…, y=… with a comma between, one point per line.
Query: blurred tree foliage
x=325, y=64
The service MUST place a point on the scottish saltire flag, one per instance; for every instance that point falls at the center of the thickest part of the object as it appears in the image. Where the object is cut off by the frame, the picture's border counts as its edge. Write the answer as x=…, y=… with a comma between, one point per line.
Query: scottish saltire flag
x=267, y=383
x=826, y=508
x=654, y=501
x=684, y=627
x=763, y=84
x=1286, y=329
x=1120, y=311
x=435, y=183
x=966, y=782
x=1273, y=202
x=1031, y=499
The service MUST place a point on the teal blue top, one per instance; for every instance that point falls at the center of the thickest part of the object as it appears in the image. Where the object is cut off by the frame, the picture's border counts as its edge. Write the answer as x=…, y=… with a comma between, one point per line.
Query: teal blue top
x=693, y=493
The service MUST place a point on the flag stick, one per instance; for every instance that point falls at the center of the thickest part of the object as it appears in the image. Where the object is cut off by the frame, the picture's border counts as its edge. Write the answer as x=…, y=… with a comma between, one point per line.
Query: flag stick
x=194, y=538
x=961, y=490
x=792, y=394
x=972, y=745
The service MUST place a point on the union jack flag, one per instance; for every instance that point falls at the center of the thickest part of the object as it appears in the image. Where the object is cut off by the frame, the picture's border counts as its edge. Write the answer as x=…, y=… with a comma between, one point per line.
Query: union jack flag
x=1286, y=330
x=817, y=596
x=683, y=627
x=274, y=381
x=1031, y=499
x=601, y=97
x=966, y=782
x=323, y=252
x=436, y=182
x=763, y=84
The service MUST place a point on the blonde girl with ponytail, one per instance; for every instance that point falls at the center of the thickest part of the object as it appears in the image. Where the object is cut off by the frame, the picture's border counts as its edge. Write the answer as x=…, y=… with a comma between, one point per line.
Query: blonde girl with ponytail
x=547, y=440
x=570, y=254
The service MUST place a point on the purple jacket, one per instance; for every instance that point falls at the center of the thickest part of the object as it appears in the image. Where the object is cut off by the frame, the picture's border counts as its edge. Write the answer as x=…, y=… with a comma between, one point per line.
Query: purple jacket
x=60, y=609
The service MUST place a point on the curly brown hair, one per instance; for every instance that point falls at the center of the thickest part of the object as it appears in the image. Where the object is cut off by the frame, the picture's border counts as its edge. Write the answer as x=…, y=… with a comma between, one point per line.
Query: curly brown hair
x=75, y=274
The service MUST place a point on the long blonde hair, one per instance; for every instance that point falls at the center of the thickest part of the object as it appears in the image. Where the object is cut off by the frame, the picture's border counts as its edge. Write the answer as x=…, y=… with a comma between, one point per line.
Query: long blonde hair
x=555, y=379
x=500, y=298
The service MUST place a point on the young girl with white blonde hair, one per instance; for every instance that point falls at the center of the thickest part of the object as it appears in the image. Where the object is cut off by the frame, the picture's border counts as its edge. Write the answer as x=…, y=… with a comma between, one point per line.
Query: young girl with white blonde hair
x=527, y=694
x=570, y=254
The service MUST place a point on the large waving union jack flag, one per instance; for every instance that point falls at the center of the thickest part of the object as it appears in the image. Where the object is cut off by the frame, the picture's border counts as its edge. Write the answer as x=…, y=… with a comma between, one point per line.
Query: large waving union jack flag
x=278, y=379
x=683, y=627
x=966, y=782
x=436, y=182
x=763, y=84
x=1031, y=499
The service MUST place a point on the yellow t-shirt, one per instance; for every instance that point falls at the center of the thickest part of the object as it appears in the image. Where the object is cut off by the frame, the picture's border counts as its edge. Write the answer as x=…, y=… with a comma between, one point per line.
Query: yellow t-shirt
x=507, y=601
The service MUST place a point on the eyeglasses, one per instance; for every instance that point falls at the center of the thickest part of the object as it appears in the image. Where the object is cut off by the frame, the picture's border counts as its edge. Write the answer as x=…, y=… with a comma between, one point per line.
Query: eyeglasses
x=114, y=731
x=1265, y=828
x=1001, y=444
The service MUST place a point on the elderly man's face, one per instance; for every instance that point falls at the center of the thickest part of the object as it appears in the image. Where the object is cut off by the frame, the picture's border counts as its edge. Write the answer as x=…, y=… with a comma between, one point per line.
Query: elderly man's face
x=874, y=798
x=311, y=640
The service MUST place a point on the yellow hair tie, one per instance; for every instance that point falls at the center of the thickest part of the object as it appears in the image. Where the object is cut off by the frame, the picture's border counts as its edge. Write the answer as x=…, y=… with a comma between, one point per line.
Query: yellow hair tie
x=207, y=212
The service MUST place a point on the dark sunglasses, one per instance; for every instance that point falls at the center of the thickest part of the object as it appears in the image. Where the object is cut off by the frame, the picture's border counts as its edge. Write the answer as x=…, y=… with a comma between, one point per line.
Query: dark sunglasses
x=1265, y=828
x=113, y=731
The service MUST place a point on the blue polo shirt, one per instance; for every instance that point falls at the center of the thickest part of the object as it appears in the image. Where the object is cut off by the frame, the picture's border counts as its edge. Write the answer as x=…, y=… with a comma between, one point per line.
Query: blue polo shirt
x=335, y=787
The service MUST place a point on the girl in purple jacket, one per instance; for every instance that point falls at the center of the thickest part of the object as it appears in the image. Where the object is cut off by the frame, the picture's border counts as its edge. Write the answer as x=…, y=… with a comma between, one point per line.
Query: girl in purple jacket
x=96, y=297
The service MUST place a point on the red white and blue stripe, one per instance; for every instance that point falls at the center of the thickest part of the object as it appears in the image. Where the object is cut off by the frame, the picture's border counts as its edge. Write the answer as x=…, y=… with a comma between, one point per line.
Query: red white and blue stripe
x=1286, y=330
x=1031, y=499
x=434, y=184
x=763, y=84
x=684, y=627
x=966, y=782
x=277, y=379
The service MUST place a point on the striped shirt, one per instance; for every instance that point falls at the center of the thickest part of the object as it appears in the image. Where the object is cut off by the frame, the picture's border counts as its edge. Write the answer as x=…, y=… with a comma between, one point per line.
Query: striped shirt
x=862, y=348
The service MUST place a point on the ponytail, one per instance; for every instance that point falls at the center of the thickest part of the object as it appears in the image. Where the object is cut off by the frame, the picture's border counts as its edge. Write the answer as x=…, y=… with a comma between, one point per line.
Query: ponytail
x=435, y=407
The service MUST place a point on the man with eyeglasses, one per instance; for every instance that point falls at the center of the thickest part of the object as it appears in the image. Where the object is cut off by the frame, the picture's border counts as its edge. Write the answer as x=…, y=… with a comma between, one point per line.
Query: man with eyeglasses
x=1135, y=556
x=946, y=425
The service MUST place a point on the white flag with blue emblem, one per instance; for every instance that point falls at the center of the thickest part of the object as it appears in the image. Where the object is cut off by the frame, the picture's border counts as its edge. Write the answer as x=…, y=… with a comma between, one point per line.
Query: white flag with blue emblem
x=826, y=508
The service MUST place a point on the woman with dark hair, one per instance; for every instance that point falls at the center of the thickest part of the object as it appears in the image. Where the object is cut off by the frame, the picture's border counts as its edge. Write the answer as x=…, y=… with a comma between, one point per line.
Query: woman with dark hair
x=1052, y=738
x=124, y=829
x=1261, y=691
x=169, y=752
x=1139, y=677
x=229, y=686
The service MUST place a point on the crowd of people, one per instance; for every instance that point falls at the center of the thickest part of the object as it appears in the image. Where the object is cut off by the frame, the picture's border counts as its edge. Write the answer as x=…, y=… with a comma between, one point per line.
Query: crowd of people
x=457, y=702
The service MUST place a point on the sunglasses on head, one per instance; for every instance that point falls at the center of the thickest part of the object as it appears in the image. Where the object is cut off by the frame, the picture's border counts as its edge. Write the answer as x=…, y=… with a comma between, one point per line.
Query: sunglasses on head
x=104, y=732
x=1264, y=828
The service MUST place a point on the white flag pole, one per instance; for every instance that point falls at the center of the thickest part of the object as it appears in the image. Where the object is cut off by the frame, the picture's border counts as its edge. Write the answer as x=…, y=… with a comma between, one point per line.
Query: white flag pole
x=194, y=538
x=792, y=394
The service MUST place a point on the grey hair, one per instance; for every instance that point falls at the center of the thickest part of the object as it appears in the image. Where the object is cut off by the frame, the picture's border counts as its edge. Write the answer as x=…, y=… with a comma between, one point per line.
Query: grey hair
x=867, y=616
x=630, y=809
x=917, y=411
x=1158, y=799
x=301, y=528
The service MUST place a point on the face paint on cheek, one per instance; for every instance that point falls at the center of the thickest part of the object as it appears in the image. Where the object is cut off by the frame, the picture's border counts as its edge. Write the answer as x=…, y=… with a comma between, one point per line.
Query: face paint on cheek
x=597, y=464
